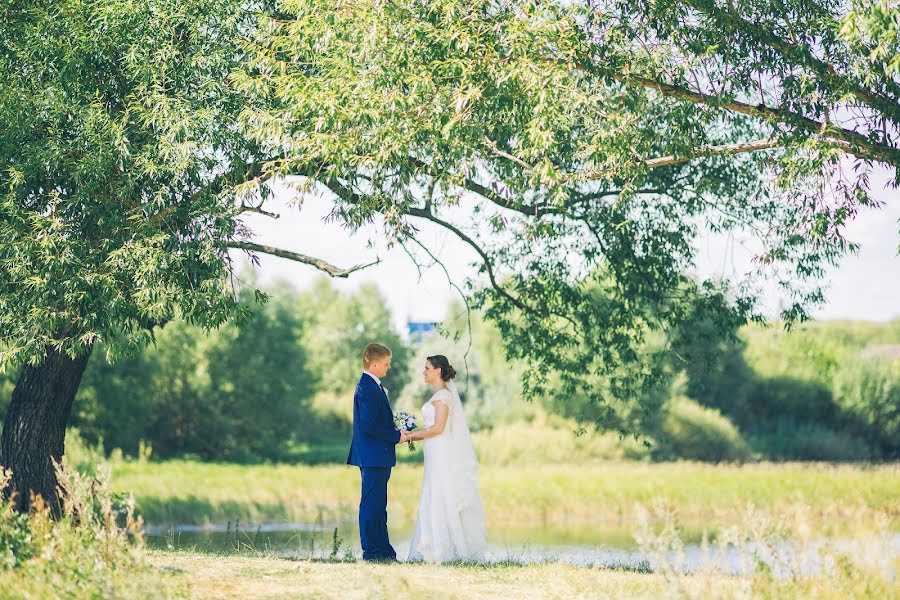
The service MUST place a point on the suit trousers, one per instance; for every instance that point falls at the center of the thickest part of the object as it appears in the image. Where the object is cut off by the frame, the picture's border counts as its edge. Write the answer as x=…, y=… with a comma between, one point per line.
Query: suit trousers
x=373, y=532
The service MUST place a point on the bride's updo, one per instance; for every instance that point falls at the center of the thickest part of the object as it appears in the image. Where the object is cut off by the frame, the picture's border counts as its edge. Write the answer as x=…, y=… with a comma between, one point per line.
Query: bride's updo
x=439, y=361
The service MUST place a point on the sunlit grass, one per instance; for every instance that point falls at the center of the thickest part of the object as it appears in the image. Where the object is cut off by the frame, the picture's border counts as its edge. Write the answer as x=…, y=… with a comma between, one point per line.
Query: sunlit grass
x=195, y=492
x=245, y=576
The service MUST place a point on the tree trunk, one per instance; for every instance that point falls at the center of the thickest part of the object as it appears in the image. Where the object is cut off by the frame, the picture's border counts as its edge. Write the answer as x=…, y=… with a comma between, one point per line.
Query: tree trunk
x=34, y=432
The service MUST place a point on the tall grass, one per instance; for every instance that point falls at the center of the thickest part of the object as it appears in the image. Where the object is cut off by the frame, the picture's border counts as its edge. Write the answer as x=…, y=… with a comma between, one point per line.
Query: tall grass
x=94, y=551
x=527, y=492
x=792, y=554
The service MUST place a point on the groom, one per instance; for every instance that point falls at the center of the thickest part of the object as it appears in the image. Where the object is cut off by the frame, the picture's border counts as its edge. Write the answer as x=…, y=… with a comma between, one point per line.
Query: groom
x=372, y=450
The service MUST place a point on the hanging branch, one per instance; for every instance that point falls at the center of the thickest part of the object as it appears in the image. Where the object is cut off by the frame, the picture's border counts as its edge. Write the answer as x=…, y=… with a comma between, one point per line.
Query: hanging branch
x=318, y=263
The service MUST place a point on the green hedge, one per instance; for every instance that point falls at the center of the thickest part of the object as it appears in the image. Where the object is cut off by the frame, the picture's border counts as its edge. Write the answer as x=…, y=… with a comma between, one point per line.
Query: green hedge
x=695, y=432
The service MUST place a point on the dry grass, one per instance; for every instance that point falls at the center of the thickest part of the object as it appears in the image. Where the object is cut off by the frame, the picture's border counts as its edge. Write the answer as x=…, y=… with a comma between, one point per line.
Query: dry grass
x=269, y=577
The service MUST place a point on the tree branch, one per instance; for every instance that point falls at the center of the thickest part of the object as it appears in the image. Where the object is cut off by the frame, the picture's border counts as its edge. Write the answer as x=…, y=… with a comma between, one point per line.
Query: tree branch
x=703, y=151
x=488, y=267
x=421, y=213
x=256, y=209
x=301, y=258
x=856, y=141
x=728, y=19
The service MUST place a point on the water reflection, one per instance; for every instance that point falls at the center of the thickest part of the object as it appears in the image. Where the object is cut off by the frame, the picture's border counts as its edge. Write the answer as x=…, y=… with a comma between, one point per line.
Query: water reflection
x=608, y=547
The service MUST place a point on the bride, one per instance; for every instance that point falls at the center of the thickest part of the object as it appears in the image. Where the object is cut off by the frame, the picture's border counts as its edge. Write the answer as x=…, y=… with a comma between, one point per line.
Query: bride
x=451, y=525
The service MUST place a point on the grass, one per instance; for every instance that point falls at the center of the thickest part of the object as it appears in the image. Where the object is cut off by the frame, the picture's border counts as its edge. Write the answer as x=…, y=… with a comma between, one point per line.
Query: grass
x=862, y=565
x=248, y=576
x=195, y=492
x=90, y=554
x=94, y=550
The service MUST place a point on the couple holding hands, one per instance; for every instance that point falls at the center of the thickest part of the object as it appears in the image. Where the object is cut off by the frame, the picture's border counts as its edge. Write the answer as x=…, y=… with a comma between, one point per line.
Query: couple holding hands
x=451, y=524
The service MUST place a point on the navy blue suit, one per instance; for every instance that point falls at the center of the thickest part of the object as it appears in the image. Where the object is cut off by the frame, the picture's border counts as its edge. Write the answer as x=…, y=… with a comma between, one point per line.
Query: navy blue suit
x=373, y=450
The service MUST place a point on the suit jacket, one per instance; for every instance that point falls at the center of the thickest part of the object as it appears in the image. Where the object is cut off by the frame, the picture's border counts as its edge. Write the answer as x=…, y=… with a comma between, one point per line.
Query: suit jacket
x=374, y=435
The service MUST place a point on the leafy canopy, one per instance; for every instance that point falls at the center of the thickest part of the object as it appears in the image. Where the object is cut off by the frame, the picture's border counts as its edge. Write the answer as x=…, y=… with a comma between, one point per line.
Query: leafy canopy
x=579, y=148
x=592, y=142
x=118, y=148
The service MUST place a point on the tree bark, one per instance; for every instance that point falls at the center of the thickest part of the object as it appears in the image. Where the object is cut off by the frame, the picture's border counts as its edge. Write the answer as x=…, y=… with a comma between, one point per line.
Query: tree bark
x=34, y=432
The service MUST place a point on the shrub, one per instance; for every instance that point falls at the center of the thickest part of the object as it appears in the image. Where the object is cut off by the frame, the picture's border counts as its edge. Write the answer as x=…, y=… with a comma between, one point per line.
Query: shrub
x=786, y=439
x=867, y=390
x=551, y=440
x=94, y=551
x=695, y=432
x=15, y=538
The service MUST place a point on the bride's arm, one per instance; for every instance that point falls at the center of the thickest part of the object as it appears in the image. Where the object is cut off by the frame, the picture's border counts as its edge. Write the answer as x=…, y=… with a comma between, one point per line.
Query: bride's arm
x=441, y=412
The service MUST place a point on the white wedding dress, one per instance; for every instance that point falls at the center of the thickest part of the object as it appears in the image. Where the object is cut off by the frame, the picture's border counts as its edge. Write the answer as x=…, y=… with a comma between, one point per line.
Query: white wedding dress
x=451, y=525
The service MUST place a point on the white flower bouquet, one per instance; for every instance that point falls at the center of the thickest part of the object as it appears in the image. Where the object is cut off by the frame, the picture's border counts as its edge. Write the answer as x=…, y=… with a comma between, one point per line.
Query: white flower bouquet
x=404, y=421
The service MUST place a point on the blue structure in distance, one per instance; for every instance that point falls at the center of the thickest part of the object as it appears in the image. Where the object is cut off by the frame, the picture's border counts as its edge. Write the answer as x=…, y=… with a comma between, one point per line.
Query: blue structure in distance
x=418, y=329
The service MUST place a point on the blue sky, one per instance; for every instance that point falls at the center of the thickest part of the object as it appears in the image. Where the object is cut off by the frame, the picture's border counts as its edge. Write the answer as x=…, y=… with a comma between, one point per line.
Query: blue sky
x=865, y=286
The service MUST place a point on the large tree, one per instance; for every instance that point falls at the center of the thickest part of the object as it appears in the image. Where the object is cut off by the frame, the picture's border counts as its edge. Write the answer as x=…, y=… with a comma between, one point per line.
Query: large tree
x=577, y=147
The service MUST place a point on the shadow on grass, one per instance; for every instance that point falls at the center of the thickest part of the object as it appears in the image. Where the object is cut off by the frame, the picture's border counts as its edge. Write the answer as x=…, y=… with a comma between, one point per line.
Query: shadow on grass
x=506, y=563
x=191, y=510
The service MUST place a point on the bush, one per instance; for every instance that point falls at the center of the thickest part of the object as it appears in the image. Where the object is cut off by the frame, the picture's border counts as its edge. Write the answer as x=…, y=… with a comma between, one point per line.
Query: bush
x=695, y=432
x=94, y=551
x=785, y=397
x=15, y=539
x=867, y=390
x=551, y=440
x=786, y=439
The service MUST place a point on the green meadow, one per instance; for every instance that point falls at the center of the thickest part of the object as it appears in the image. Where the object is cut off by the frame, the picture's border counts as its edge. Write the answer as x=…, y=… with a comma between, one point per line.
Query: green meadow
x=193, y=492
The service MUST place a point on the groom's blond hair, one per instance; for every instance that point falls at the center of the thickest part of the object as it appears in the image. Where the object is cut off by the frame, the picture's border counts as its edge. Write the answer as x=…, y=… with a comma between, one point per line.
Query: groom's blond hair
x=374, y=352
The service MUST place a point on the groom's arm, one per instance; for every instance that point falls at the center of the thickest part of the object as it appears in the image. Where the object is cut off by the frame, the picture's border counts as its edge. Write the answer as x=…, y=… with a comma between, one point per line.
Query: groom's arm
x=369, y=422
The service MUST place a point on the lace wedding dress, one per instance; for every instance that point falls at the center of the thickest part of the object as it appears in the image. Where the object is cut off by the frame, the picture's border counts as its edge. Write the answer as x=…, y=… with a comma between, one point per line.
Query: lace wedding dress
x=451, y=525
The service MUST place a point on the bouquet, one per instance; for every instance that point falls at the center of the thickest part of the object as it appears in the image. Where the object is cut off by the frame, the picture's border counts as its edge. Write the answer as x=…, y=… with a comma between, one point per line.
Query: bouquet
x=404, y=421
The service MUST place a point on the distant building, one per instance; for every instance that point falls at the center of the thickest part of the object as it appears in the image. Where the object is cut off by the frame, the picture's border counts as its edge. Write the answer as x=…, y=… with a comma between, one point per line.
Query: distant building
x=418, y=329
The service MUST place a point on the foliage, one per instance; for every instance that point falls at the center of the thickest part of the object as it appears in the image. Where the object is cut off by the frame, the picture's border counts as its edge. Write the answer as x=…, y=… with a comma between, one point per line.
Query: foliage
x=578, y=147
x=15, y=539
x=338, y=328
x=789, y=439
x=238, y=393
x=545, y=121
x=873, y=27
x=867, y=390
x=117, y=155
x=693, y=432
x=95, y=551
x=790, y=392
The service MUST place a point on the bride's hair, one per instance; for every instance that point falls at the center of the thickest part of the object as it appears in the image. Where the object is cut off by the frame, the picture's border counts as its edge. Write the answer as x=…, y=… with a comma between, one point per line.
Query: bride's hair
x=440, y=361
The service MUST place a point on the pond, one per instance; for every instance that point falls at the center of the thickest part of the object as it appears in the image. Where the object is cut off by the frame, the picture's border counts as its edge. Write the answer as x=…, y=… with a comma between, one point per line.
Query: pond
x=608, y=546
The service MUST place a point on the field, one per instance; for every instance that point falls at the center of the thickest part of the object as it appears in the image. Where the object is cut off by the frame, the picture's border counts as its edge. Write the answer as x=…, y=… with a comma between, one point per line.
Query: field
x=194, y=492
x=761, y=530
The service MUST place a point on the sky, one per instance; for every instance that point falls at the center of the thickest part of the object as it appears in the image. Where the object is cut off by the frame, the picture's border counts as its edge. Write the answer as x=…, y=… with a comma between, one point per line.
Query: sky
x=862, y=287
